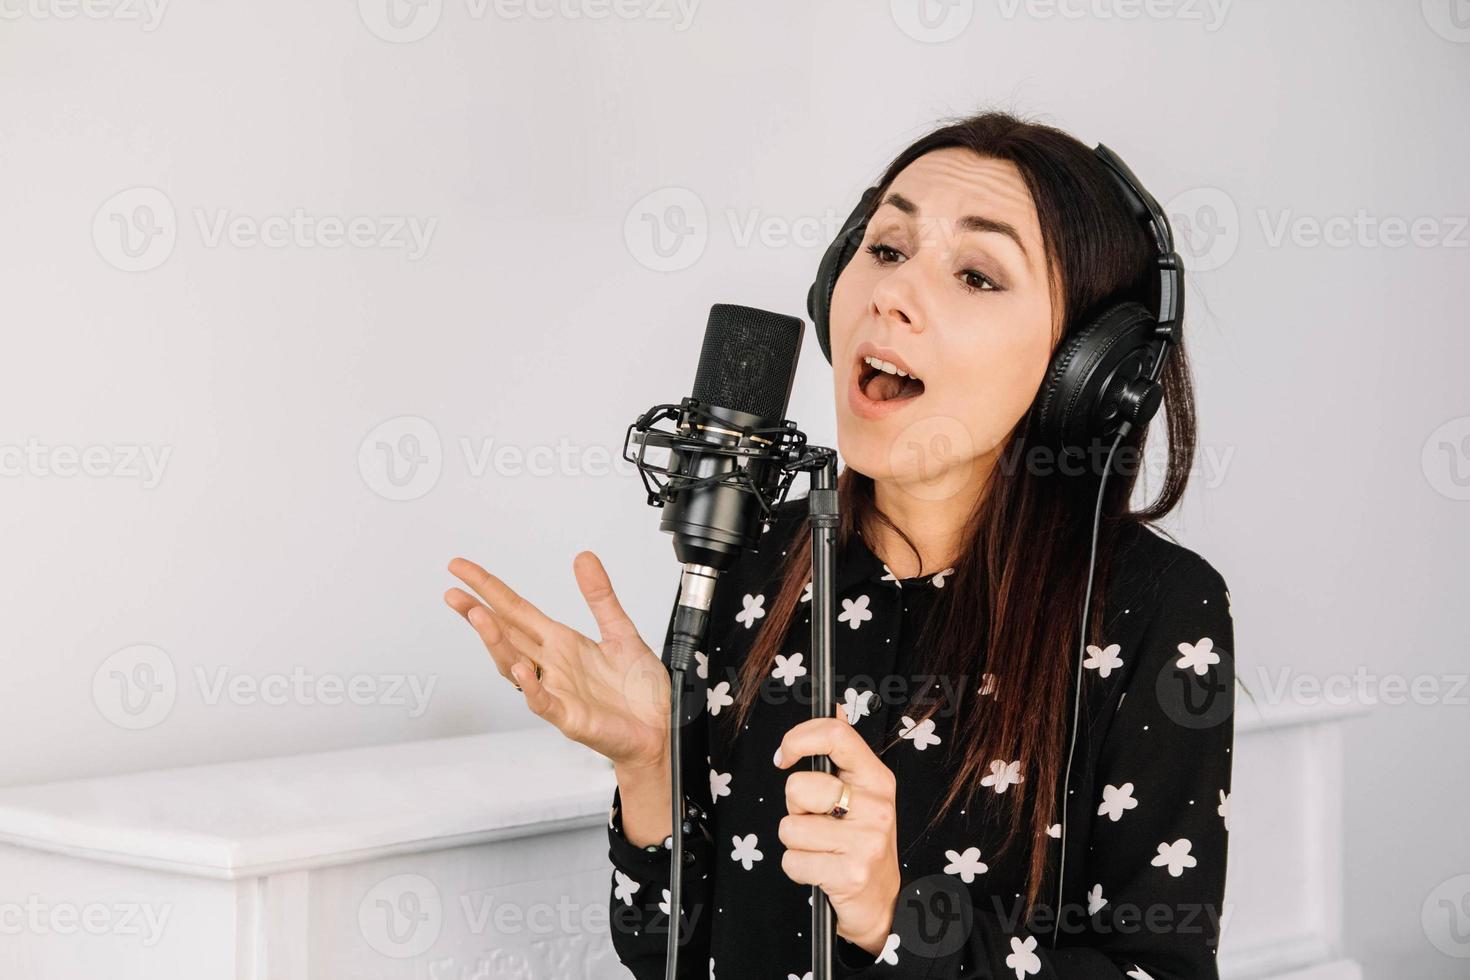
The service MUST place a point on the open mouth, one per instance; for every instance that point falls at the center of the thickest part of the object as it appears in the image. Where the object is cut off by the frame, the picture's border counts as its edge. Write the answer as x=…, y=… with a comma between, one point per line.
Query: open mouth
x=882, y=381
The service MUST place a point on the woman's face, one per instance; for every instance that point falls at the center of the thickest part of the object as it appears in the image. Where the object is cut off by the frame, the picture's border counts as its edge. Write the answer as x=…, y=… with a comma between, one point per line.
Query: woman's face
x=949, y=286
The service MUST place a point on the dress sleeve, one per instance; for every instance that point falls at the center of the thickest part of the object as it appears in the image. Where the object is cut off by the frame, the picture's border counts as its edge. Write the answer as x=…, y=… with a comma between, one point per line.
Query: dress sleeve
x=1148, y=900
x=639, y=902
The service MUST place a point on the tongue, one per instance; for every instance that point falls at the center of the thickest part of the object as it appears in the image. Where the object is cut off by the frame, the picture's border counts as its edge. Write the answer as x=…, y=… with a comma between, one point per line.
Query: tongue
x=884, y=386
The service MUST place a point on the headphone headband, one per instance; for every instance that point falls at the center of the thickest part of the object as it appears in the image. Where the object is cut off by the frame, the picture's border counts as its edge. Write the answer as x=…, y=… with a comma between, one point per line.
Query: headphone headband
x=1169, y=290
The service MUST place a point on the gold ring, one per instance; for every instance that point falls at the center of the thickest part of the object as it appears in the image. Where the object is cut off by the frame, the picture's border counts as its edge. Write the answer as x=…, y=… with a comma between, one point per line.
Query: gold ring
x=538, y=677
x=839, y=810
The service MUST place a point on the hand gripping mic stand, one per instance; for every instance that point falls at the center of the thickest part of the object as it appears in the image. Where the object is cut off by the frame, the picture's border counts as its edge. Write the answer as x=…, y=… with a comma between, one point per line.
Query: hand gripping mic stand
x=762, y=462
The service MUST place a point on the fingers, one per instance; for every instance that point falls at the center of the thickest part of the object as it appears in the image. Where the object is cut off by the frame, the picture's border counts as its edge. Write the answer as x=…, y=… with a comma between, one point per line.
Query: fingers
x=813, y=792
x=506, y=644
x=503, y=600
x=538, y=698
x=592, y=580
x=465, y=604
x=835, y=738
x=812, y=832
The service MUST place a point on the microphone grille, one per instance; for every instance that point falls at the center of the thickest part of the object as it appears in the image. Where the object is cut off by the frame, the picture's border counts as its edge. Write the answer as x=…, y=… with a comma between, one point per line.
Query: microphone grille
x=748, y=362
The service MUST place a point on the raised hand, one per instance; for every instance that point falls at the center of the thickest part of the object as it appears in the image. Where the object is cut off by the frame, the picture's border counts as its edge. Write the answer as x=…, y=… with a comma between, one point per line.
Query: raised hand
x=611, y=695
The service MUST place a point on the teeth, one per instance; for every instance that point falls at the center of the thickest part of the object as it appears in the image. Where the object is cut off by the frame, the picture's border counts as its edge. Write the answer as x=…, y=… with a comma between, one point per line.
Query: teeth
x=885, y=366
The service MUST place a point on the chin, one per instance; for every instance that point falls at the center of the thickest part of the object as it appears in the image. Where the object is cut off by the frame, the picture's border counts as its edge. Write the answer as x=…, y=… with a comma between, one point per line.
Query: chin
x=929, y=455
x=860, y=452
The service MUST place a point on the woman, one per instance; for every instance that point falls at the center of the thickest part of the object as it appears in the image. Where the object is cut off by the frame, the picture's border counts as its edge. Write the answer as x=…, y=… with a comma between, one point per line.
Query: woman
x=963, y=564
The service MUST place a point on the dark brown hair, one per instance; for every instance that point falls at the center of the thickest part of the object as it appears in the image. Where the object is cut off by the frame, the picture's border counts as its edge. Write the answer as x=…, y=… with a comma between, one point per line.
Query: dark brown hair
x=1014, y=599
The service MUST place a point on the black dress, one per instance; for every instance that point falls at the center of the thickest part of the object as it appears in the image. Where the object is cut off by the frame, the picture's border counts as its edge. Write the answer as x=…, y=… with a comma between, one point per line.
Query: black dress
x=1148, y=808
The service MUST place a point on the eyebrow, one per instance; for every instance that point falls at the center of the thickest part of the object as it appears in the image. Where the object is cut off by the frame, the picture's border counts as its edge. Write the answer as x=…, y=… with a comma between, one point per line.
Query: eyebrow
x=970, y=222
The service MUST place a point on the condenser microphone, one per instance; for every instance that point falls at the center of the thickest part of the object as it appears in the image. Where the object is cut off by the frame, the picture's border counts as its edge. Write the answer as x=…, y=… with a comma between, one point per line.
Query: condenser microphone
x=729, y=463
x=741, y=389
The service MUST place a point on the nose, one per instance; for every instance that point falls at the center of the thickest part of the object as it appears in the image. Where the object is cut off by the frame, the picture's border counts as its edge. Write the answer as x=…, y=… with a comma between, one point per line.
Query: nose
x=896, y=298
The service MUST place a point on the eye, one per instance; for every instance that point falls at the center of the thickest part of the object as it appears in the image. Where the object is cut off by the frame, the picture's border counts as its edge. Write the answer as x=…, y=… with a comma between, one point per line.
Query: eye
x=971, y=280
x=878, y=250
x=985, y=284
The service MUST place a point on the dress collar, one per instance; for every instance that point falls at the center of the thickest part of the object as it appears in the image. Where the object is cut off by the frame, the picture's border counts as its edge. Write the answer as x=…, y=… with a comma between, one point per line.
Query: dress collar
x=856, y=564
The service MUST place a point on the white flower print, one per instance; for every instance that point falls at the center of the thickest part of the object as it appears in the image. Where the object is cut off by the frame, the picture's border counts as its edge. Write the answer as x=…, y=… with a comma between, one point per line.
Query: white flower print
x=1197, y=656
x=1104, y=660
x=805, y=976
x=807, y=595
x=718, y=697
x=889, y=953
x=939, y=577
x=788, y=669
x=855, y=703
x=663, y=905
x=754, y=609
x=888, y=576
x=1023, y=958
x=1137, y=974
x=1054, y=831
x=1003, y=774
x=1115, y=800
x=987, y=684
x=966, y=865
x=625, y=888
x=701, y=665
x=1175, y=857
x=922, y=733
x=719, y=784
x=855, y=612
x=1224, y=808
x=745, y=851
x=1095, y=900
x=711, y=968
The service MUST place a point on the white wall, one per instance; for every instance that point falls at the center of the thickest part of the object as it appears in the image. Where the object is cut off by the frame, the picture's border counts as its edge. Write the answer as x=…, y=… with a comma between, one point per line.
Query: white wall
x=537, y=316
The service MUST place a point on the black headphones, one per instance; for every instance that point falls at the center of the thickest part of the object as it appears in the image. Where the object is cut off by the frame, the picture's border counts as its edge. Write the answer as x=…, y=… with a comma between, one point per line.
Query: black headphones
x=1104, y=378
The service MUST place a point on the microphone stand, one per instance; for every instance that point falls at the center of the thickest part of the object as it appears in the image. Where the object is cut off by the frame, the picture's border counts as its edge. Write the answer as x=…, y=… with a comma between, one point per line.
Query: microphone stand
x=823, y=515
x=785, y=446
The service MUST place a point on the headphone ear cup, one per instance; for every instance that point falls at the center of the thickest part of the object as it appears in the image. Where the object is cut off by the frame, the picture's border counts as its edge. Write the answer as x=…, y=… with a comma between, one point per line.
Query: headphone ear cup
x=834, y=260
x=1099, y=378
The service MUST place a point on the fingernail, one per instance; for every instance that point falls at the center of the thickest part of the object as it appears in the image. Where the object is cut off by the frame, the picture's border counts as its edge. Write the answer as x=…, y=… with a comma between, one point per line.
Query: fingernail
x=777, y=757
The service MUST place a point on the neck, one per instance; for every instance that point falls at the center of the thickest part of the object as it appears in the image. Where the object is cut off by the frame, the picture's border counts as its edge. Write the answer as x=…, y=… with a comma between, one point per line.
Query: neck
x=933, y=514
